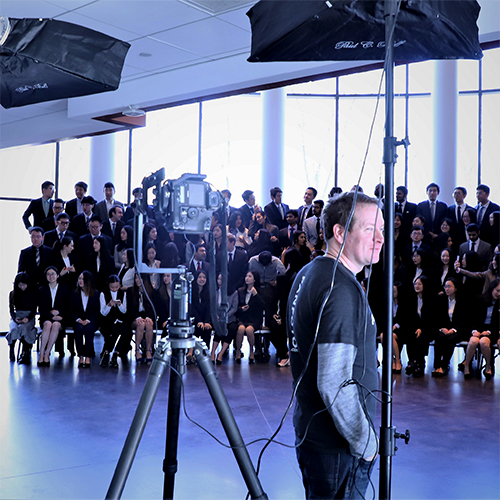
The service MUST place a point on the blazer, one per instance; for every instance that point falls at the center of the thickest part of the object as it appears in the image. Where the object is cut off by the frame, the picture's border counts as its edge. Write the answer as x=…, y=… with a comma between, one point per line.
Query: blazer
x=409, y=212
x=254, y=314
x=51, y=237
x=485, y=227
x=424, y=209
x=305, y=216
x=237, y=270
x=93, y=307
x=27, y=263
x=61, y=303
x=69, y=279
x=35, y=208
x=49, y=224
x=274, y=216
x=460, y=319
x=71, y=208
x=79, y=225
x=106, y=229
x=484, y=250
x=86, y=246
x=309, y=227
x=246, y=215
x=102, y=211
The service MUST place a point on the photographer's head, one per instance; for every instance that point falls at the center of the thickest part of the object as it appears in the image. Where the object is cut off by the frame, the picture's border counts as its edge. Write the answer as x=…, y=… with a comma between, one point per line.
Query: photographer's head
x=365, y=235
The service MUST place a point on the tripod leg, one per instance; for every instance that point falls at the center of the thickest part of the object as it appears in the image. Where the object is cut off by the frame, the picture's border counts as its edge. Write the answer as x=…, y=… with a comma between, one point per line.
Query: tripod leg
x=138, y=424
x=228, y=422
x=174, y=405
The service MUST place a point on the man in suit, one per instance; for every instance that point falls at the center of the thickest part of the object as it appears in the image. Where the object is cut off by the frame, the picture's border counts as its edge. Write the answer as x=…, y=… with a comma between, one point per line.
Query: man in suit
x=74, y=206
x=433, y=210
x=199, y=260
x=416, y=235
x=103, y=207
x=113, y=225
x=455, y=213
x=50, y=222
x=276, y=210
x=80, y=223
x=248, y=209
x=482, y=248
x=237, y=265
x=34, y=259
x=313, y=225
x=229, y=209
x=86, y=242
x=259, y=221
x=61, y=230
x=128, y=217
x=484, y=208
x=41, y=208
x=286, y=234
x=407, y=210
x=305, y=211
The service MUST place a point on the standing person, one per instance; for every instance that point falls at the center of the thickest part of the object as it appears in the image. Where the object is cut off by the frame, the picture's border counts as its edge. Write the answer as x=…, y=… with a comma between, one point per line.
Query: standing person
x=313, y=225
x=433, y=210
x=41, y=208
x=74, y=206
x=104, y=206
x=306, y=211
x=484, y=208
x=276, y=210
x=332, y=338
x=85, y=309
x=248, y=209
x=34, y=259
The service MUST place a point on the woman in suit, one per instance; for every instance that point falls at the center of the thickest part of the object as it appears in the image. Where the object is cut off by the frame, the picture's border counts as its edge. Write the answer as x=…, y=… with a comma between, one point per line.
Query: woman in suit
x=142, y=316
x=126, y=241
x=100, y=263
x=84, y=304
x=417, y=325
x=485, y=331
x=53, y=305
x=64, y=260
x=127, y=269
x=451, y=322
x=250, y=313
x=445, y=269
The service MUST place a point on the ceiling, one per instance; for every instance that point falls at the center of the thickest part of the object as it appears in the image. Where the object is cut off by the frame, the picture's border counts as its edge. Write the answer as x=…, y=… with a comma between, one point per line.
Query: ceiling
x=180, y=50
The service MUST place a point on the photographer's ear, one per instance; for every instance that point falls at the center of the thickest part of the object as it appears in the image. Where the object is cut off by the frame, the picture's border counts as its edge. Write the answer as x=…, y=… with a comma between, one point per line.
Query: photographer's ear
x=338, y=233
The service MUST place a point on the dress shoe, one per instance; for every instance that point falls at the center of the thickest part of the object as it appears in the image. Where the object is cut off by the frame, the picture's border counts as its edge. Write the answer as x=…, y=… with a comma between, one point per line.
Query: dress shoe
x=25, y=358
x=104, y=359
x=468, y=376
x=114, y=360
x=487, y=375
x=251, y=361
x=218, y=362
x=238, y=361
x=12, y=352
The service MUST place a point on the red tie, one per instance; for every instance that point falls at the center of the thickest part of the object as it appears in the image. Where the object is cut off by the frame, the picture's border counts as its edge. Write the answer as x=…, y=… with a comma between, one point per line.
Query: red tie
x=199, y=266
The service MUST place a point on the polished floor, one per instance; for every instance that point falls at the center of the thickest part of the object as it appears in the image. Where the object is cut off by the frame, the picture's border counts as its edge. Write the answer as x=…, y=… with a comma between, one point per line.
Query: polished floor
x=62, y=430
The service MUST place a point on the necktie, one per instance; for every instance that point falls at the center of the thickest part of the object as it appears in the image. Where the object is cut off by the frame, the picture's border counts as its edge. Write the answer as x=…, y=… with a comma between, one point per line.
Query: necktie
x=480, y=216
x=415, y=248
x=87, y=221
x=37, y=258
x=282, y=212
x=113, y=227
x=230, y=258
x=472, y=245
x=291, y=233
x=317, y=226
x=61, y=236
x=459, y=213
x=199, y=266
x=433, y=210
x=400, y=208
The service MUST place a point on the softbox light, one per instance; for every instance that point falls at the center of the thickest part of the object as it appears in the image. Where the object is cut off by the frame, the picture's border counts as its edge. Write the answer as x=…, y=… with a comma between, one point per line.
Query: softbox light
x=45, y=59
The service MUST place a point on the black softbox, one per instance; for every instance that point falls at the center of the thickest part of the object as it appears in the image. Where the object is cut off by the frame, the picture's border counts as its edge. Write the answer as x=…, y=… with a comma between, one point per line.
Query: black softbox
x=354, y=30
x=45, y=59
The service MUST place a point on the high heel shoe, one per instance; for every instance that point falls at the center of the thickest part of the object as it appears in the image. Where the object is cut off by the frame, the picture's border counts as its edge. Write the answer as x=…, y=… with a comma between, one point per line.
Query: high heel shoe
x=238, y=361
x=138, y=356
x=149, y=359
x=487, y=375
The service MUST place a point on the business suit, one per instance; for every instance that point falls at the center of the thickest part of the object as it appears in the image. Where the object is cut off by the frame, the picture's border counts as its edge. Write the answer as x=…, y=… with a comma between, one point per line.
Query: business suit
x=457, y=226
x=84, y=334
x=424, y=209
x=72, y=208
x=482, y=248
x=284, y=237
x=68, y=279
x=274, y=215
x=305, y=215
x=27, y=263
x=78, y=224
x=61, y=303
x=408, y=213
x=485, y=227
x=86, y=247
x=192, y=268
x=237, y=269
x=309, y=229
x=107, y=230
x=101, y=209
x=52, y=236
x=246, y=215
x=49, y=224
x=35, y=208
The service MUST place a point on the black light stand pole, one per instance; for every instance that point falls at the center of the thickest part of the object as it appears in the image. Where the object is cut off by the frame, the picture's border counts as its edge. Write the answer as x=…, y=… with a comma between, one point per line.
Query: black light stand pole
x=386, y=428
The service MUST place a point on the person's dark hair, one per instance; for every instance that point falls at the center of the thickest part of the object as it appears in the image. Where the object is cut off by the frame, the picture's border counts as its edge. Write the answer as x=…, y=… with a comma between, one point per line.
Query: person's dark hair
x=260, y=244
x=199, y=245
x=88, y=284
x=88, y=199
x=104, y=246
x=337, y=211
x=492, y=286
x=421, y=217
x=231, y=238
x=294, y=212
x=112, y=210
x=432, y=185
x=130, y=258
x=38, y=229
x=423, y=257
x=82, y=185
x=472, y=214
x=113, y=278
x=109, y=185
x=59, y=200
x=145, y=233
x=417, y=228
x=246, y=194
x=398, y=216
x=448, y=221
x=454, y=281
x=296, y=235
x=461, y=188
x=335, y=190
x=483, y=187
x=20, y=278
x=146, y=250
x=472, y=227
x=314, y=190
x=265, y=257
x=426, y=284
x=96, y=218
x=53, y=268
x=47, y=184
x=232, y=221
x=256, y=277
x=171, y=257
x=62, y=215
x=404, y=189
x=217, y=225
x=226, y=191
x=321, y=203
x=261, y=212
x=274, y=191
x=60, y=244
x=472, y=260
x=129, y=242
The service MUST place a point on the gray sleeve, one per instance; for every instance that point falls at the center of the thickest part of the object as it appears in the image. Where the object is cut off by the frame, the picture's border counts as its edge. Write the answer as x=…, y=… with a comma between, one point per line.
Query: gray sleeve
x=335, y=362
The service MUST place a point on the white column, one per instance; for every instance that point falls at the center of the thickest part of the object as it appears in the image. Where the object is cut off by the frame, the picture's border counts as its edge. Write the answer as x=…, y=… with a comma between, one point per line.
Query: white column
x=445, y=102
x=102, y=163
x=273, y=142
